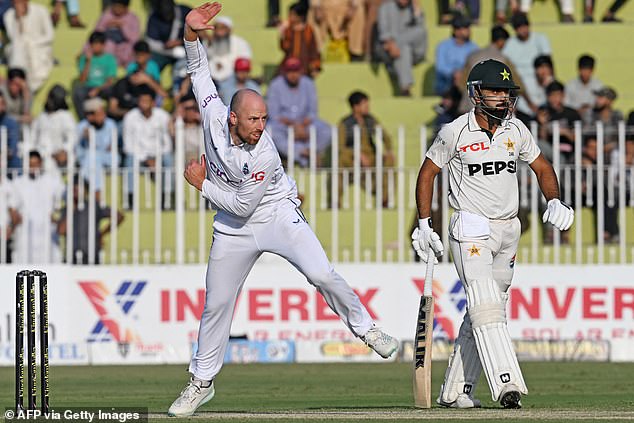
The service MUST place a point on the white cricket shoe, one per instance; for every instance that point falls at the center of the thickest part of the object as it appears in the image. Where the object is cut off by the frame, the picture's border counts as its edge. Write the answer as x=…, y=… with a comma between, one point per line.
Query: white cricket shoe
x=463, y=401
x=193, y=396
x=381, y=342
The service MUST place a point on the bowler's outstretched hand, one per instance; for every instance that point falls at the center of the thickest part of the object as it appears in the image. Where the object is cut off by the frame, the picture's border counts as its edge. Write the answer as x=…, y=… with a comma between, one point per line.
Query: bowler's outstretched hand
x=199, y=17
x=195, y=173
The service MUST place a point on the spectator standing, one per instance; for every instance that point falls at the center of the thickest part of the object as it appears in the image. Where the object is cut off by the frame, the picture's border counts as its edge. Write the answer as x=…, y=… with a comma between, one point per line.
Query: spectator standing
x=580, y=90
x=122, y=30
x=292, y=103
x=146, y=131
x=339, y=20
x=14, y=160
x=30, y=32
x=17, y=96
x=54, y=130
x=223, y=49
x=97, y=72
x=452, y=53
x=35, y=199
x=298, y=40
x=522, y=50
x=239, y=80
x=81, y=223
x=402, y=40
x=103, y=127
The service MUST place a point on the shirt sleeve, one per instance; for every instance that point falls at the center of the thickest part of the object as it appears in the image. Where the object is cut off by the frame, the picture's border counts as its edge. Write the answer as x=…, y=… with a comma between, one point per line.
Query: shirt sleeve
x=209, y=101
x=243, y=201
x=529, y=150
x=444, y=147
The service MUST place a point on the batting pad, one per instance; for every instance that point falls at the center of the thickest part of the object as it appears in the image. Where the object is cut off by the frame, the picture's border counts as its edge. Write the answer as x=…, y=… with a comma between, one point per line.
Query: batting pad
x=464, y=368
x=486, y=308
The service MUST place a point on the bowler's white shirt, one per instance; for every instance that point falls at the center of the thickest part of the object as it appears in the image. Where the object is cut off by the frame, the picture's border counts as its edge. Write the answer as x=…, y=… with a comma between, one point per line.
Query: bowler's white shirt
x=244, y=181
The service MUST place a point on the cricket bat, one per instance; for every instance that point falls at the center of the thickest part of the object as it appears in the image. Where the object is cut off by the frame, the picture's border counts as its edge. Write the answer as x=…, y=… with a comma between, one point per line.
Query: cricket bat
x=423, y=339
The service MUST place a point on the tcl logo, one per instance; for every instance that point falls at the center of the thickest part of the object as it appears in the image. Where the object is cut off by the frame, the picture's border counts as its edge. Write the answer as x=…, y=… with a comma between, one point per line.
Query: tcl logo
x=491, y=168
x=478, y=146
x=258, y=176
x=208, y=99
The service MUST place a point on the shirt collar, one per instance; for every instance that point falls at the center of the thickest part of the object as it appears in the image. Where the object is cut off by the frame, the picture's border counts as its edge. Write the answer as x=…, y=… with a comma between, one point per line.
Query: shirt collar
x=474, y=127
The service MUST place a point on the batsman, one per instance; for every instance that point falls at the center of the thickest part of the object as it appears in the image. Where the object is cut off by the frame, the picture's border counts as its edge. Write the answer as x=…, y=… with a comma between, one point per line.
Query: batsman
x=481, y=149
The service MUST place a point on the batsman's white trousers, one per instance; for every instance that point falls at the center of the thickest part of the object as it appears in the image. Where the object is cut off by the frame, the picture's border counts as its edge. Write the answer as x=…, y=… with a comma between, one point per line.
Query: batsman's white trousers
x=485, y=267
x=233, y=253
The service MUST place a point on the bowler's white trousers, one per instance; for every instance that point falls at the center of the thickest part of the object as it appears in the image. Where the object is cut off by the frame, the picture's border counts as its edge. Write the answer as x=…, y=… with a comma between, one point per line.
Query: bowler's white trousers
x=235, y=250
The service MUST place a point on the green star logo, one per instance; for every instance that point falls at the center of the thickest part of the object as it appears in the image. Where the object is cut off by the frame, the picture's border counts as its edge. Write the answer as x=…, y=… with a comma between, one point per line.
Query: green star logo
x=505, y=75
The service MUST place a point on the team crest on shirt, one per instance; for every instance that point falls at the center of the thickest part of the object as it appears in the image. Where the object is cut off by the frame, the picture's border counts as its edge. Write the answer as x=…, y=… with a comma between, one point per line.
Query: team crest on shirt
x=510, y=146
x=245, y=169
x=474, y=251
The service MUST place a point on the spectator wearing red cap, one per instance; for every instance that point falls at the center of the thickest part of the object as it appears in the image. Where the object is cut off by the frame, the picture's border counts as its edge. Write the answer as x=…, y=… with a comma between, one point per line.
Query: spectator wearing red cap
x=240, y=79
x=298, y=40
x=292, y=103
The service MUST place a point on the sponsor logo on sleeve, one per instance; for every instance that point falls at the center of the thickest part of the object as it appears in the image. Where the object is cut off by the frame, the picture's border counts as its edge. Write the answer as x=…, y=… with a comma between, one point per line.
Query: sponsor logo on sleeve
x=208, y=99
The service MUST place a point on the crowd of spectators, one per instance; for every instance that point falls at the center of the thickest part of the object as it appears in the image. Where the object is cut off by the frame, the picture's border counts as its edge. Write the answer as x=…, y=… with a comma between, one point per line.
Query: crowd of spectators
x=120, y=94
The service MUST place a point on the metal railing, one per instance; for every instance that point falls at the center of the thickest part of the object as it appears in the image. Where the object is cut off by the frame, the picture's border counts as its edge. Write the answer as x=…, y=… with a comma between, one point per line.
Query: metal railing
x=168, y=221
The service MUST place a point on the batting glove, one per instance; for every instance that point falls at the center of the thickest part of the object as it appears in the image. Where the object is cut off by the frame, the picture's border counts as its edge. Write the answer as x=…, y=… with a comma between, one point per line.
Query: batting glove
x=424, y=237
x=559, y=214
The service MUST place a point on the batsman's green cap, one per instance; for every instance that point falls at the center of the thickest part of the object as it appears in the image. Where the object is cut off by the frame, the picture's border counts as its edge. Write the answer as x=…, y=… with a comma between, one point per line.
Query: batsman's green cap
x=491, y=74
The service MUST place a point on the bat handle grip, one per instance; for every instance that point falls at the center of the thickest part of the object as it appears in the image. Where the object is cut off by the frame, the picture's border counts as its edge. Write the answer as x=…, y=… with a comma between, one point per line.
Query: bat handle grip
x=429, y=272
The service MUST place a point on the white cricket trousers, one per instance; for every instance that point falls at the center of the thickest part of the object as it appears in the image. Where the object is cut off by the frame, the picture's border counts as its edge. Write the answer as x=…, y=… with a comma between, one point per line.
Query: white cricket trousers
x=485, y=267
x=233, y=253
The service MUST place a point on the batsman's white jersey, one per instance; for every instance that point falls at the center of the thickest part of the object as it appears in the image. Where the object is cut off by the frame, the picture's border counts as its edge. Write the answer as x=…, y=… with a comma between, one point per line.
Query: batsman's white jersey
x=483, y=235
x=482, y=171
x=258, y=211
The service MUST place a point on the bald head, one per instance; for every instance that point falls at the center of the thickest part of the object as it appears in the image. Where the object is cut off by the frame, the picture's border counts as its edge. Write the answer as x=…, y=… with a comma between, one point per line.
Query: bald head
x=247, y=116
x=246, y=99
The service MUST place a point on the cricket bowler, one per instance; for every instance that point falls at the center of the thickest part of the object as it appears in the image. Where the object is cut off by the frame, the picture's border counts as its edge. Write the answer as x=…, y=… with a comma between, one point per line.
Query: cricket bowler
x=242, y=176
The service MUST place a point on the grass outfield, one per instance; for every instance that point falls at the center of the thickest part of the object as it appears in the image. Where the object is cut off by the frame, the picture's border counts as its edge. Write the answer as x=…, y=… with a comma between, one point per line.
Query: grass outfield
x=340, y=392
